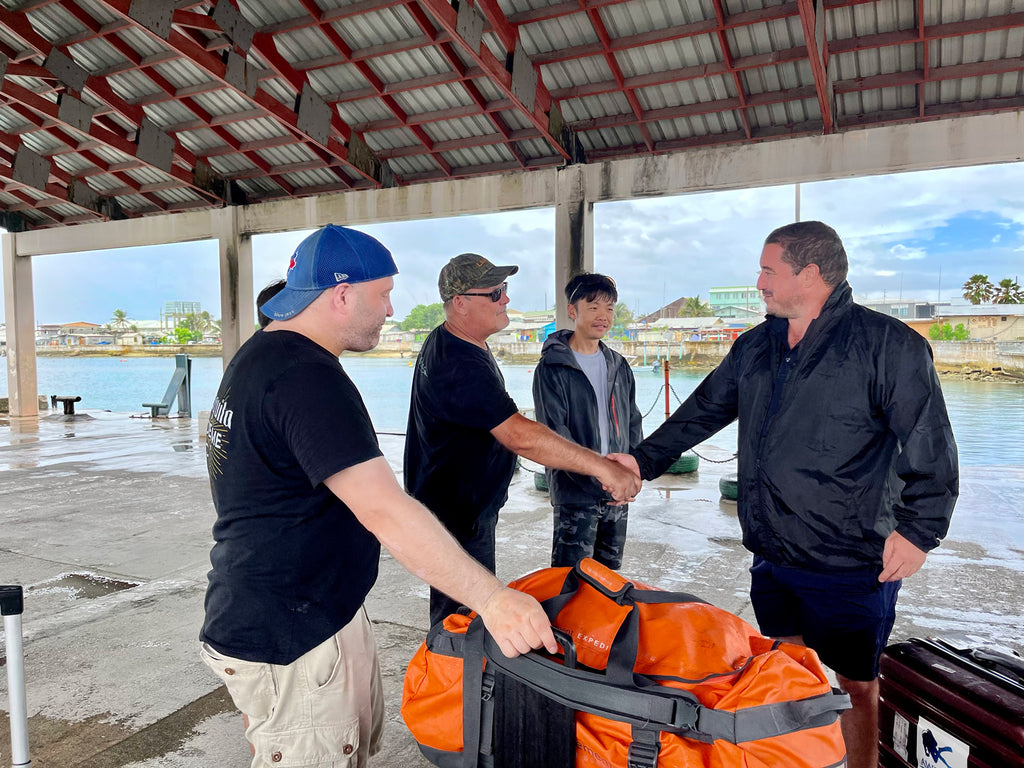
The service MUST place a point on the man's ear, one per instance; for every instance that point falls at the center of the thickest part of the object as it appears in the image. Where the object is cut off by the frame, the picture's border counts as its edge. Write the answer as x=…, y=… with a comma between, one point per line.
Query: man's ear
x=459, y=305
x=812, y=272
x=572, y=311
x=341, y=295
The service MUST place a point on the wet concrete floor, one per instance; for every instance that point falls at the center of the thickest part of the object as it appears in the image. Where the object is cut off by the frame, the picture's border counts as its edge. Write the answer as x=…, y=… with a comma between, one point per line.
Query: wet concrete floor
x=106, y=522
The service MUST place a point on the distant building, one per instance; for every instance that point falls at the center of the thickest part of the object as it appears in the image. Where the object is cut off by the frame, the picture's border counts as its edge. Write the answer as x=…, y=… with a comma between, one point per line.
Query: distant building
x=676, y=329
x=176, y=311
x=669, y=310
x=71, y=334
x=741, y=301
x=986, y=322
x=535, y=325
x=908, y=309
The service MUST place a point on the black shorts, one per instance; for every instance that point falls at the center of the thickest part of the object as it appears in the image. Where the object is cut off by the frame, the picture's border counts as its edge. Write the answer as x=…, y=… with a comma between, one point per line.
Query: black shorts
x=845, y=616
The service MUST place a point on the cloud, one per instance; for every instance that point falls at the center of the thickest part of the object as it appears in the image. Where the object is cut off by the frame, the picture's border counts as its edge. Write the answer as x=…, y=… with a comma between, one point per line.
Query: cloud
x=903, y=253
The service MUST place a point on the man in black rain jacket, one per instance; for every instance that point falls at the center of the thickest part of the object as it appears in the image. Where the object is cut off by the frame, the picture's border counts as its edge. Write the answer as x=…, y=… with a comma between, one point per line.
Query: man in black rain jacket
x=847, y=465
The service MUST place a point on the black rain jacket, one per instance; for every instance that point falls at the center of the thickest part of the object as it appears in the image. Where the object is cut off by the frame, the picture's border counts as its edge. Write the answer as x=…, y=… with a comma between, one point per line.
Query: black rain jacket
x=565, y=402
x=859, y=445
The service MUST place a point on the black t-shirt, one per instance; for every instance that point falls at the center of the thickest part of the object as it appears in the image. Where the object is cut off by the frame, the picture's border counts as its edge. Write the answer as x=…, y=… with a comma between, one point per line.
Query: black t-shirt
x=453, y=464
x=291, y=563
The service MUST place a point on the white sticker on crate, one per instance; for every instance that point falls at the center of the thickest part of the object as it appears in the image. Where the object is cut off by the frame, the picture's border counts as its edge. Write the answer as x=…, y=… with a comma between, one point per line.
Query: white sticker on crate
x=901, y=735
x=938, y=749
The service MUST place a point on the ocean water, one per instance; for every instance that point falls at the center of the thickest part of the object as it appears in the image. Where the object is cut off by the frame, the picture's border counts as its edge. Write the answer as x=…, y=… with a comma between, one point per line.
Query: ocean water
x=986, y=416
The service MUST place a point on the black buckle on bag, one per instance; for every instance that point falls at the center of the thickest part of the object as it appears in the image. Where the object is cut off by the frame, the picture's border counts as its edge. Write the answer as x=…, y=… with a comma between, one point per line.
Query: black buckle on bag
x=487, y=687
x=643, y=750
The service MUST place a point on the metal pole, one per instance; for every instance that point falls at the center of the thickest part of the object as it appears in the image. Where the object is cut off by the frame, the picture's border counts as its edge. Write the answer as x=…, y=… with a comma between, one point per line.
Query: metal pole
x=11, y=605
x=667, y=411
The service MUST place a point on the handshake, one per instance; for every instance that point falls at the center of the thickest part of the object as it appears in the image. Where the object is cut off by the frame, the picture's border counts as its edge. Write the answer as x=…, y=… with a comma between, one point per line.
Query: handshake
x=620, y=477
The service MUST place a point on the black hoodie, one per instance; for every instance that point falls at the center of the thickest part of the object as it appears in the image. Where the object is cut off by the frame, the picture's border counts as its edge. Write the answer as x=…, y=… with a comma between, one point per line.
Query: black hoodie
x=566, y=403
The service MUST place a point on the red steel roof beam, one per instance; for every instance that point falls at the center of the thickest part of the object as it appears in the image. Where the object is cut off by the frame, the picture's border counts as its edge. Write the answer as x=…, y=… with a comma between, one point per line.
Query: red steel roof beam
x=213, y=66
x=816, y=39
x=49, y=110
x=168, y=89
x=57, y=191
x=657, y=36
x=723, y=42
x=924, y=58
x=19, y=24
x=378, y=85
x=447, y=50
x=686, y=73
x=952, y=72
x=924, y=34
x=501, y=78
x=602, y=34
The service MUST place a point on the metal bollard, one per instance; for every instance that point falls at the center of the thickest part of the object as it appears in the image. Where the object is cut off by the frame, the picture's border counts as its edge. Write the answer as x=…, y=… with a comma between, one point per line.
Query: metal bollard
x=11, y=606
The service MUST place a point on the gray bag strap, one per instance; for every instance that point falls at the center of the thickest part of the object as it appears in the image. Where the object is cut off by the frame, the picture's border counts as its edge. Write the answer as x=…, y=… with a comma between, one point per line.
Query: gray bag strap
x=474, y=692
x=770, y=720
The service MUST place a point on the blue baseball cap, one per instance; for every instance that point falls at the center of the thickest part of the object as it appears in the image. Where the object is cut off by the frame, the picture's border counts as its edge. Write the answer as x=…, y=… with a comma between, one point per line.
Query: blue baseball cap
x=329, y=256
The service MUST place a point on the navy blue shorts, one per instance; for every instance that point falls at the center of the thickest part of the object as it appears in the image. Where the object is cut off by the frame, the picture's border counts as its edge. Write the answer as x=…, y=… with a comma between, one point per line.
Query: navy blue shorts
x=846, y=616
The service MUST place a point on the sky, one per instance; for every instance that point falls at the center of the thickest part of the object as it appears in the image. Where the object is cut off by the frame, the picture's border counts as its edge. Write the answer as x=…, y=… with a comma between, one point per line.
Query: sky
x=911, y=235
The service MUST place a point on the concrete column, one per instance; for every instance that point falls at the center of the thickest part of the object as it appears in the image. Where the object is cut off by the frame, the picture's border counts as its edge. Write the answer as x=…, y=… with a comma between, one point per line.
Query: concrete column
x=574, y=235
x=237, y=311
x=19, y=311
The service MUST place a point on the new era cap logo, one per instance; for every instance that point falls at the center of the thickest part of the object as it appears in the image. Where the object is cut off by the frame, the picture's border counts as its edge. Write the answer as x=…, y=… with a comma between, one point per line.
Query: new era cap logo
x=340, y=277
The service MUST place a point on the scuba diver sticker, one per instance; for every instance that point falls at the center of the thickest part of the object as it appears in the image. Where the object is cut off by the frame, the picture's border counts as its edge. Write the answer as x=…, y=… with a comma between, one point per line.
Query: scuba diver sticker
x=938, y=749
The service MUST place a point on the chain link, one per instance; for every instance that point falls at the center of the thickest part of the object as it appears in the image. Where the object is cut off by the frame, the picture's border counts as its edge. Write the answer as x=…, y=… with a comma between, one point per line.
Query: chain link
x=655, y=403
x=672, y=389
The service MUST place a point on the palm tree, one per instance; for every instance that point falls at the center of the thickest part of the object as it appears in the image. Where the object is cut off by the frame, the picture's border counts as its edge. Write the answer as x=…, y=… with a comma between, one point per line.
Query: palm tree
x=1008, y=292
x=205, y=322
x=119, y=319
x=694, y=307
x=622, y=319
x=978, y=289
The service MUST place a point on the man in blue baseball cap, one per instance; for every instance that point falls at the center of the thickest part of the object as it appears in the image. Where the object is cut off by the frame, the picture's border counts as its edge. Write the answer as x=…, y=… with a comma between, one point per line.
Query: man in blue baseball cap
x=304, y=500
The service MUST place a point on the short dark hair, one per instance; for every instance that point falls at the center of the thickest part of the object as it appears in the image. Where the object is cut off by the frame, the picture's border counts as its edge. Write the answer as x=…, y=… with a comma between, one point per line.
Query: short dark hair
x=587, y=286
x=264, y=296
x=812, y=242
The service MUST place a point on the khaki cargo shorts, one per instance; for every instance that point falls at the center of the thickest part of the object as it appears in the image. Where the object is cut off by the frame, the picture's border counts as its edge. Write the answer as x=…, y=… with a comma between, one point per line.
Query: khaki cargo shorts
x=325, y=709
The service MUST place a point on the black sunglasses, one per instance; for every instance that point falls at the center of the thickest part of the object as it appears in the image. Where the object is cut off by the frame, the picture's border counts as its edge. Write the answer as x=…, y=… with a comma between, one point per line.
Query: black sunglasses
x=494, y=295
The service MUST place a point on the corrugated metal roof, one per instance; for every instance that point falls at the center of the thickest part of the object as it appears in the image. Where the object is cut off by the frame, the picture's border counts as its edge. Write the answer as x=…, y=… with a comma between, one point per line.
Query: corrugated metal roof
x=213, y=102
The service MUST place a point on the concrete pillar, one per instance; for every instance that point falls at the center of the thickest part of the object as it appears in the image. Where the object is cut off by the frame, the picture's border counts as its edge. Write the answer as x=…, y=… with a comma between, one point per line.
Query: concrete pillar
x=237, y=311
x=574, y=235
x=19, y=311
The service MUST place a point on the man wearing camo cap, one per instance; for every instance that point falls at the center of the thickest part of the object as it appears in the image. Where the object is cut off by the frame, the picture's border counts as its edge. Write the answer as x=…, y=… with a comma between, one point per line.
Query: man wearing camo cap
x=465, y=431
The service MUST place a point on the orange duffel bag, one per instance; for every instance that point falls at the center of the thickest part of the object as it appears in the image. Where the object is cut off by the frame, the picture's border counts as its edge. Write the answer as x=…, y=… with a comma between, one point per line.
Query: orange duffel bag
x=648, y=678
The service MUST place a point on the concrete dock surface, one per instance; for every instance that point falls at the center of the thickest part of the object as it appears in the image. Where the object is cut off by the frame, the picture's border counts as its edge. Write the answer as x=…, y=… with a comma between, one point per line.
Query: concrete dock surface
x=106, y=521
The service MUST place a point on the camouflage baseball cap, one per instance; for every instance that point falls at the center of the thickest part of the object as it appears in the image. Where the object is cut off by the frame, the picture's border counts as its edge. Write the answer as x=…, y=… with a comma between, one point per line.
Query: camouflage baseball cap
x=468, y=271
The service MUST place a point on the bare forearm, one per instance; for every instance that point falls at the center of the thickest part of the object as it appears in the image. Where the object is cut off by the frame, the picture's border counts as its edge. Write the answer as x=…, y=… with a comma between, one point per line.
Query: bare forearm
x=412, y=534
x=428, y=551
x=538, y=443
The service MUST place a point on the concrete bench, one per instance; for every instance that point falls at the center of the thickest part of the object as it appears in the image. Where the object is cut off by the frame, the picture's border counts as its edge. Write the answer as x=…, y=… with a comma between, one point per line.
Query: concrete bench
x=68, y=401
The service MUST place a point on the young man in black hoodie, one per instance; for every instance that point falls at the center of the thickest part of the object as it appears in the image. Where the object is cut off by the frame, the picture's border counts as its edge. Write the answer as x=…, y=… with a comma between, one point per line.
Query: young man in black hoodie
x=585, y=392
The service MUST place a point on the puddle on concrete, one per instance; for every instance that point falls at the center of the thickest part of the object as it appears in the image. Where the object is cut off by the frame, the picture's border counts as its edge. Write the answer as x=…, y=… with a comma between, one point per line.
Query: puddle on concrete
x=80, y=586
x=104, y=741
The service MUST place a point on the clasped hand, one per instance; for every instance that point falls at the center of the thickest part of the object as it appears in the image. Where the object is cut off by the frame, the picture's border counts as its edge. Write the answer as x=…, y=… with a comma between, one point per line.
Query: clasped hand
x=622, y=479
